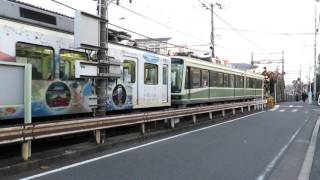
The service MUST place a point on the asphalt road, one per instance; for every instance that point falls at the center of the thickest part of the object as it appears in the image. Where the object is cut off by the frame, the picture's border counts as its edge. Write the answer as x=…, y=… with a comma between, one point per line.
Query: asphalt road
x=259, y=146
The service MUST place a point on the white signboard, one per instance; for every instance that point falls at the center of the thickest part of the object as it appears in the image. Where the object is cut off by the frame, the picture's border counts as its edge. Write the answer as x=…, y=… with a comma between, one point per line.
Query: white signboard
x=12, y=89
x=86, y=30
x=85, y=69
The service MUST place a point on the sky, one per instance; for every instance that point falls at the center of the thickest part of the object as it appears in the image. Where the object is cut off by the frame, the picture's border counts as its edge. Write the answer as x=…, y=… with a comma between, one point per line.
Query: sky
x=262, y=27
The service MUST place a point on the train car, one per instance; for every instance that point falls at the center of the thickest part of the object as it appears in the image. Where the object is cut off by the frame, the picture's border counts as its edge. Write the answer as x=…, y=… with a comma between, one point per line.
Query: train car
x=45, y=40
x=195, y=81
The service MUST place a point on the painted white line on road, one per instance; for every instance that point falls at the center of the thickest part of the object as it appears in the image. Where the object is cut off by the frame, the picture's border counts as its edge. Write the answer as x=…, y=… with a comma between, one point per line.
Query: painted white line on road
x=291, y=106
x=274, y=161
x=272, y=164
x=133, y=148
x=307, y=163
x=294, y=110
x=275, y=108
x=282, y=110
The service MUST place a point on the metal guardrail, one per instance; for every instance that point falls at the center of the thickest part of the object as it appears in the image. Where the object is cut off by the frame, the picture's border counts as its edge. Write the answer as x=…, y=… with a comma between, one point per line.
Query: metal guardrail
x=28, y=132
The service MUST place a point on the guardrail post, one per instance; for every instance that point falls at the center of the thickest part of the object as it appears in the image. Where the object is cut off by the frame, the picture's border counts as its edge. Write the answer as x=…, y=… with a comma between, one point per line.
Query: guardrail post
x=100, y=136
x=26, y=150
x=194, y=119
x=26, y=145
x=242, y=109
x=249, y=108
x=210, y=116
x=143, y=128
x=172, y=123
x=234, y=111
x=223, y=113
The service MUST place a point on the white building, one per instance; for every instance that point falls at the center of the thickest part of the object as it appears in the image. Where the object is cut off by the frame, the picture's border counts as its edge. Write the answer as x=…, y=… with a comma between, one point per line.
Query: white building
x=158, y=45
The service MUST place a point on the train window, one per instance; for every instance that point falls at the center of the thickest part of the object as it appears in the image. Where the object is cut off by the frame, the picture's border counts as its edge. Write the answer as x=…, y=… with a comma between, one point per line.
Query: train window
x=204, y=78
x=251, y=83
x=150, y=74
x=187, y=79
x=165, y=74
x=195, y=77
x=40, y=57
x=176, y=75
x=258, y=84
x=241, y=82
x=247, y=82
x=220, y=80
x=225, y=80
x=129, y=71
x=67, y=61
x=231, y=80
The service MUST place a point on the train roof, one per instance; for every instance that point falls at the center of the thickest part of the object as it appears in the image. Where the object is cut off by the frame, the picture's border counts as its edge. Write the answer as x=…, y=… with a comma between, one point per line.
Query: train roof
x=196, y=61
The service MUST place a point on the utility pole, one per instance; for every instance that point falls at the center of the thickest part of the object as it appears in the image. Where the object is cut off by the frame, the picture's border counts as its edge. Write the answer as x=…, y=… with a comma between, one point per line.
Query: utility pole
x=101, y=84
x=282, y=61
x=315, y=55
x=212, y=30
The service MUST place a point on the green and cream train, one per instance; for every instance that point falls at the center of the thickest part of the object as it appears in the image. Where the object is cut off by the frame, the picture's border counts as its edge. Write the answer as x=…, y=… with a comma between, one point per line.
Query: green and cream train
x=195, y=81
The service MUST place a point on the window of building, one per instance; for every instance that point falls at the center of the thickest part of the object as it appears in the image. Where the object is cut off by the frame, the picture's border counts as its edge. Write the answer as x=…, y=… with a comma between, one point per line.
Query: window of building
x=67, y=63
x=129, y=71
x=150, y=74
x=204, y=78
x=40, y=57
x=195, y=78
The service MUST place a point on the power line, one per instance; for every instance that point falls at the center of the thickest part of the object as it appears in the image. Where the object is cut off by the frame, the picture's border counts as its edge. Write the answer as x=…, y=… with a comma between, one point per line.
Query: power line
x=266, y=32
x=160, y=23
x=243, y=36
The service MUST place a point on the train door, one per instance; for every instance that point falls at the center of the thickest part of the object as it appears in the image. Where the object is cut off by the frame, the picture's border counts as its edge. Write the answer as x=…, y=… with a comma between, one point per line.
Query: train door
x=130, y=74
x=165, y=86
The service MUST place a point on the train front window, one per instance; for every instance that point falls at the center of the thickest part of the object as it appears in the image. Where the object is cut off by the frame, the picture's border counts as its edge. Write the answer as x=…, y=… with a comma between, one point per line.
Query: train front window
x=67, y=63
x=176, y=75
x=41, y=58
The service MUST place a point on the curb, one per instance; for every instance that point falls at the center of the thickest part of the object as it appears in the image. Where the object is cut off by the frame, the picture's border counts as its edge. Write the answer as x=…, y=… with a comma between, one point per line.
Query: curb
x=305, y=170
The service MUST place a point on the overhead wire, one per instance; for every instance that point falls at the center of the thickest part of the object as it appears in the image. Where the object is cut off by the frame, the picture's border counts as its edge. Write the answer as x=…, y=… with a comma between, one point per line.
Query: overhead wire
x=234, y=29
x=159, y=23
x=132, y=30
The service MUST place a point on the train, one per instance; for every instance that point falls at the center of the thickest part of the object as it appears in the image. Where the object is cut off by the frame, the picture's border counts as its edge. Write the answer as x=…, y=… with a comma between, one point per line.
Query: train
x=45, y=40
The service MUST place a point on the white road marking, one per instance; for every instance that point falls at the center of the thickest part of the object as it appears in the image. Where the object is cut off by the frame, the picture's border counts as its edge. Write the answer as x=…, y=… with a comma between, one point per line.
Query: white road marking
x=131, y=149
x=294, y=110
x=274, y=161
x=275, y=108
x=307, y=163
x=291, y=106
x=272, y=164
x=282, y=110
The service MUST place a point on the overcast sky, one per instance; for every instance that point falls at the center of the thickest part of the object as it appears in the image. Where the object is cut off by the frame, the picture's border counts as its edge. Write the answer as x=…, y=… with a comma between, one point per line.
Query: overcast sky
x=266, y=26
